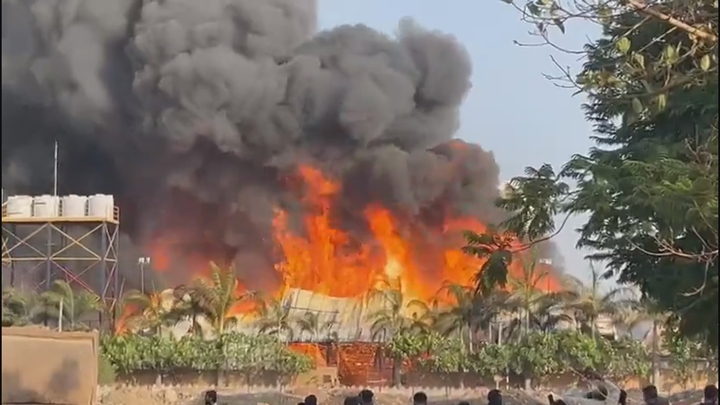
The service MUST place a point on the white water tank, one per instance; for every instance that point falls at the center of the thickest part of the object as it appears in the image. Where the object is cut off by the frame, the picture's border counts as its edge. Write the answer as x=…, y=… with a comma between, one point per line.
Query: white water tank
x=101, y=206
x=46, y=206
x=19, y=206
x=74, y=206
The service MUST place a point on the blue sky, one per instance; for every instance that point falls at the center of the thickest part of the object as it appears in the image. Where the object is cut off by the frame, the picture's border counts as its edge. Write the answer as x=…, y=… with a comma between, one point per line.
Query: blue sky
x=512, y=109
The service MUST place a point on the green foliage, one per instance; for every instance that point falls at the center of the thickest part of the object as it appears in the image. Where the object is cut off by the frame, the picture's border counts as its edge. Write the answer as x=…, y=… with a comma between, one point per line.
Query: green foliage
x=19, y=309
x=232, y=351
x=497, y=250
x=649, y=186
x=688, y=356
x=536, y=355
x=407, y=345
x=216, y=296
x=106, y=370
x=23, y=308
x=389, y=318
x=75, y=305
x=274, y=318
x=148, y=312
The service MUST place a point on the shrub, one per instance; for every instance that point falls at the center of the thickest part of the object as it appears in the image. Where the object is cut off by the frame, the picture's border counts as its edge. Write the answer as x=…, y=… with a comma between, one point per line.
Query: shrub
x=106, y=370
x=232, y=352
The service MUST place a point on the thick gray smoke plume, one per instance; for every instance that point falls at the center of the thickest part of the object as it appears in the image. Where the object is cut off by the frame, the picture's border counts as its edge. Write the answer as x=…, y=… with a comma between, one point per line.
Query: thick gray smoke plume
x=194, y=114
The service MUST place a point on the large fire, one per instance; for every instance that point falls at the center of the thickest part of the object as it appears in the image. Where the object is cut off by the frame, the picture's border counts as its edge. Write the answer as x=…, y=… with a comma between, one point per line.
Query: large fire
x=323, y=260
x=329, y=260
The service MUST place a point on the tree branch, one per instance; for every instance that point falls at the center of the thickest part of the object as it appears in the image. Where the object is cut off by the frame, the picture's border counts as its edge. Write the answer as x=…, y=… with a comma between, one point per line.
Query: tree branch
x=645, y=8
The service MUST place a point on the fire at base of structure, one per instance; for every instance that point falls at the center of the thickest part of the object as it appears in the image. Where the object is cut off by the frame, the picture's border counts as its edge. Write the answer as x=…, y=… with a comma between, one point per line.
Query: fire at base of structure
x=72, y=238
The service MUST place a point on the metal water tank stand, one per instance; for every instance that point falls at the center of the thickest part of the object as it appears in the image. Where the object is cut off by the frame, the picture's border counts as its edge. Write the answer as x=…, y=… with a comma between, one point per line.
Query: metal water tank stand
x=81, y=250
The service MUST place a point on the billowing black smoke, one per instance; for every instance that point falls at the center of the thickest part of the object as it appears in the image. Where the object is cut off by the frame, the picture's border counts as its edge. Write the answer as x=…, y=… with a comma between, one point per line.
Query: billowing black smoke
x=206, y=107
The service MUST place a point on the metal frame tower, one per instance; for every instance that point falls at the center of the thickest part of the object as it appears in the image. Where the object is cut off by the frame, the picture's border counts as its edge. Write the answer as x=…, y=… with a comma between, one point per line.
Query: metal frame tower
x=70, y=247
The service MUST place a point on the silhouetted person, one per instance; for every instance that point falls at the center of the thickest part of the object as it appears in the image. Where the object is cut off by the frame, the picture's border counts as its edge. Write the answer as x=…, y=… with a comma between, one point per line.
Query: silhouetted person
x=211, y=397
x=420, y=398
x=351, y=401
x=463, y=403
x=651, y=397
x=310, y=400
x=623, y=398
x=366, y=397
x=301, y=403
x=650, y=394
x=710, y=395
x=494, y=397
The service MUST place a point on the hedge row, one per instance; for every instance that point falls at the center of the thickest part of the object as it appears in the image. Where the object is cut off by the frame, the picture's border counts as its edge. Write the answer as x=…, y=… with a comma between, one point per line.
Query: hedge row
x=536, y=355
x=231, y=352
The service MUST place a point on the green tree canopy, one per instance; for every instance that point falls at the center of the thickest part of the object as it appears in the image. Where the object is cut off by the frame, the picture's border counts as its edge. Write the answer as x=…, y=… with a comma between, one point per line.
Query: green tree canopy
x=650, y=184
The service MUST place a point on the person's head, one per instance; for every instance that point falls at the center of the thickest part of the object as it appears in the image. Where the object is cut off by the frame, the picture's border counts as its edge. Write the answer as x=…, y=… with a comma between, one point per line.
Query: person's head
x=494, y=397
x=710, y=393
x=650, y=393
x=591, y=374
x=301, y=403
x=310, y=400
x=622, y=400
x=463, y=403
x=210, y=397
x=366, y=397
x=351, y=401
x=420, y=398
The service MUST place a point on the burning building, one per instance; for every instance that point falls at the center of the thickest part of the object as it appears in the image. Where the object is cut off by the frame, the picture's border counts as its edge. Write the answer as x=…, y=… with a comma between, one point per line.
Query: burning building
x=231, y=130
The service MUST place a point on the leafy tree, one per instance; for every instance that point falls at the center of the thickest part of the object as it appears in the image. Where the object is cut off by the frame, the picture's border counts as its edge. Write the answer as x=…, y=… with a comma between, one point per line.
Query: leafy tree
x=217, y=295
x=76, y=306
x=650, y=185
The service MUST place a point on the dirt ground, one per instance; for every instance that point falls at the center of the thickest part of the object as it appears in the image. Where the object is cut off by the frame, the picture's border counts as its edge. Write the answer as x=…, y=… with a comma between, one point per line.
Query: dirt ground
x=193, y=396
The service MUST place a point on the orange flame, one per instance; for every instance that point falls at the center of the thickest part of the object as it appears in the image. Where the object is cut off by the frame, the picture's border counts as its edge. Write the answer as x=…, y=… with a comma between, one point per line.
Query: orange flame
x=324, y=260
x=402, y=254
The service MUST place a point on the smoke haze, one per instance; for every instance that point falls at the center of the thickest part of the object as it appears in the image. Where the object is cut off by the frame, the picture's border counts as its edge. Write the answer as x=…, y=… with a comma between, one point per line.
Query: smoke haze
x=195, y=114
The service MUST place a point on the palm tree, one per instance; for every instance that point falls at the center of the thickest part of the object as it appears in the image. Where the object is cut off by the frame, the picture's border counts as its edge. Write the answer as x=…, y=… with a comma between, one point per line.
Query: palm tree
x=310, y=322
x=531, y=307
x=19, y=309
x=274, y=318
x=217, y=295
x=390, y=319
x=152, y=311
x=589, y=302
x=550, y=312
x=468, y=314
x=646, y=310
x=70, y=306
